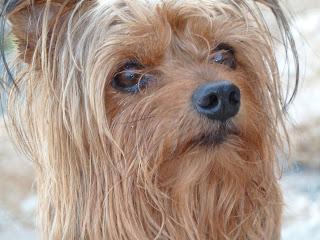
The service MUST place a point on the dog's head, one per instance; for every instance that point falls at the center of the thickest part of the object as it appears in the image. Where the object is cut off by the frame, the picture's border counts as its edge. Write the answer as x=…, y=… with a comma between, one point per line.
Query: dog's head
x=158, y=94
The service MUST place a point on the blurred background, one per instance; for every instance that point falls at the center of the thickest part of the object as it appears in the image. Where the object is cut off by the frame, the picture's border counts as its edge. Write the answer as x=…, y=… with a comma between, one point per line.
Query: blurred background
x=300, y=181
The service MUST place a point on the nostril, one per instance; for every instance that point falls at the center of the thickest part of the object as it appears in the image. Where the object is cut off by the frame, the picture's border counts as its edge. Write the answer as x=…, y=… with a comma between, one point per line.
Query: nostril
x=209, y=101
x=219, y=100
x=234, y=98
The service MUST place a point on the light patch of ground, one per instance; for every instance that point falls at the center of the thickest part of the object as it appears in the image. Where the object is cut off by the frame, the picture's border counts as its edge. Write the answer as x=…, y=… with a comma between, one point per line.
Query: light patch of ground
x=306, y=110
x=301, y=185
x=17, y=199
x=302, y=205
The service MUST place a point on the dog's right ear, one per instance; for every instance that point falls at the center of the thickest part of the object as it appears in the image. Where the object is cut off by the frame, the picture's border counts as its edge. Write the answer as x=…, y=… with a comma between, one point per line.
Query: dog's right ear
x=34, y=20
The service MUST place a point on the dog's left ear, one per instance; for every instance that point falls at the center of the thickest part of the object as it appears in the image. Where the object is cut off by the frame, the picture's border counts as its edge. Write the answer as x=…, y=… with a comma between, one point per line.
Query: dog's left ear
x=288, y=43
x=33, y=20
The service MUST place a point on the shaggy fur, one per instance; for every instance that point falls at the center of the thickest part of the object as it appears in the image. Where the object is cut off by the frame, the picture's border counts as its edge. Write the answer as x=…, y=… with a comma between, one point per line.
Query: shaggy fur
x=146, y=165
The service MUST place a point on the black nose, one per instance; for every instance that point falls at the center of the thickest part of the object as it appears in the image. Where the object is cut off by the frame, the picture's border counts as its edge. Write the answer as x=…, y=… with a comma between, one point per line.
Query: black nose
x=219, y=100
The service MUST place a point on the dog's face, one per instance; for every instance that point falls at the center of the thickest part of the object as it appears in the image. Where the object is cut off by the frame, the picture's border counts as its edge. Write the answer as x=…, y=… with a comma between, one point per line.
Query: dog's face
x=168, y=107
x=186, y=85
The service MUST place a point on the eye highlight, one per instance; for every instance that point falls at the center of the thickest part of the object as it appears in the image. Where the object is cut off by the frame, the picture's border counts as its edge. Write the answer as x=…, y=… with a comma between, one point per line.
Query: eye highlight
x=129, y=78
x=224, y=54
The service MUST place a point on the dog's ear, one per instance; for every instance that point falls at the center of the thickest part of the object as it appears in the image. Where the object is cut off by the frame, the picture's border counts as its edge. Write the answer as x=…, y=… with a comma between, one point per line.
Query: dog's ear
x=288, y=42
x=34, y=20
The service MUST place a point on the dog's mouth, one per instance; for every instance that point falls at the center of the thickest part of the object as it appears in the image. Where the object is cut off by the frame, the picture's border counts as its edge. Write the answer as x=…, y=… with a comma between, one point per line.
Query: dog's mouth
x=216, y=136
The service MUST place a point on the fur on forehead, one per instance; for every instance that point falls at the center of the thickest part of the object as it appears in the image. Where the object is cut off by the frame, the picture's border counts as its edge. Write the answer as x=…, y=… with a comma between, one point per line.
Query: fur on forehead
x=199, y=16
x=147, y=22
x=243, y=13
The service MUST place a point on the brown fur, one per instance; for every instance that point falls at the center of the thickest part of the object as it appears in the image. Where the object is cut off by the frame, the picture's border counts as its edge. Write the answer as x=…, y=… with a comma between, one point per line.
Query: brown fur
x=112, y=165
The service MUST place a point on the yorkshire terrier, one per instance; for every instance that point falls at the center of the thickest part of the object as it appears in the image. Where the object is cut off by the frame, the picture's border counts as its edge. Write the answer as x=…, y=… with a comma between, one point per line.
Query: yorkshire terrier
x=151, y=119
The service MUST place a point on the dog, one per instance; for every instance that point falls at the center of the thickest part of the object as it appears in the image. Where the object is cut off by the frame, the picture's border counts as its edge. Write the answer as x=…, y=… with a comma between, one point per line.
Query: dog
x=151, y=119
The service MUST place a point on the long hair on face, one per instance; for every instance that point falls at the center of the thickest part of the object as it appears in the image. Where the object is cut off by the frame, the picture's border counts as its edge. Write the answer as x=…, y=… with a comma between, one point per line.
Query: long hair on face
x=105, y=173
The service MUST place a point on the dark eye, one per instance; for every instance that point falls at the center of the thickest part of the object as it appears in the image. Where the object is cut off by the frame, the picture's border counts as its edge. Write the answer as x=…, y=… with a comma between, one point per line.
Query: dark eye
x=129, y=78
x=224, y=54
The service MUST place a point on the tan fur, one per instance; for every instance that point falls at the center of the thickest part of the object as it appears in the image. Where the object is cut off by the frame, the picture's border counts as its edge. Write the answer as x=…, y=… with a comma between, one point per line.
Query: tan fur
x=112, y=165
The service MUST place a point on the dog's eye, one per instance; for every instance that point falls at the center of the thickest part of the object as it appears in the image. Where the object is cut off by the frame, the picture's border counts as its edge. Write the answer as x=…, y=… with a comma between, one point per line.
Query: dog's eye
x=129, y=78
x=224, y=54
